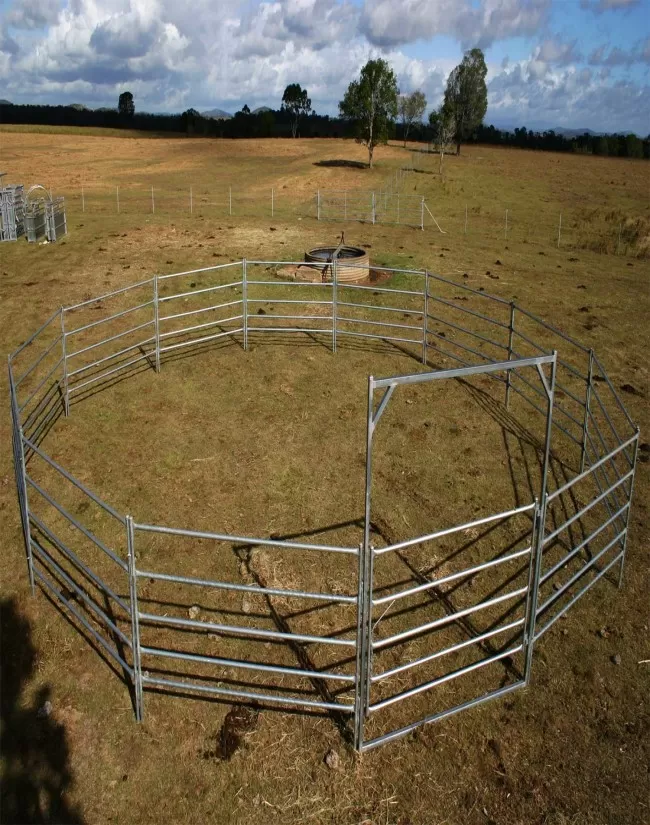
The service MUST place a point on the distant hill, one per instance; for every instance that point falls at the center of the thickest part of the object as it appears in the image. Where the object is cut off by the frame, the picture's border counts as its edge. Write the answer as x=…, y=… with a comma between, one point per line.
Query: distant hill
x=106, y=109
x=217, y=114
x=6, y=103
x=79, y=107
x=261, y=109
x=570, y=133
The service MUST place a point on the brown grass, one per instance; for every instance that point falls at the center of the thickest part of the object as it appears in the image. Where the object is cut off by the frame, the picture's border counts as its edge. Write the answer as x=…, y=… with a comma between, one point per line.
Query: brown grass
x=572, y=749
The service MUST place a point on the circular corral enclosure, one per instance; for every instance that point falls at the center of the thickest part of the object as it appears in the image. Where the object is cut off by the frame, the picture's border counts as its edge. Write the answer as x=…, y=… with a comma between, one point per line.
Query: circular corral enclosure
x=388, y=555
x=354, y=260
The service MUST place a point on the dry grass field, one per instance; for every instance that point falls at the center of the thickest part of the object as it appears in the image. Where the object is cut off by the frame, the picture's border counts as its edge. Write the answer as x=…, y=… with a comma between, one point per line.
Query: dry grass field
x=271, y=442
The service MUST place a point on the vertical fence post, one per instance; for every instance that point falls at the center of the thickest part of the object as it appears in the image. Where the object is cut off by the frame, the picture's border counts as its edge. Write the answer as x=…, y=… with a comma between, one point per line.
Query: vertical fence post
x=117, y=195
x=585, y=422
x=156, y=319
x=191, y=202
x=153, y=202
x=244, y=298
x=465, y=219
x=318, y=205
x=135, y=620
x=425, y=316
x=272, y=203
x=559, y=231
x=374, y=210
x=334, y=302
x=230, y=200
x=66, y=394
x=422, y=214
x=534, y=572
x=618, y=245
x=511, y=333
x=345, y=204
x=629, y=508
x=506, y=229
x=83, y=200
x=21, y=480
x=398, y=207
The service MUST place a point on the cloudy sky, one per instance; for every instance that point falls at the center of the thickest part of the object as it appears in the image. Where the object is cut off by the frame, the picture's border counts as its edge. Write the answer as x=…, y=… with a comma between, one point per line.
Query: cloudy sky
x=573, y=63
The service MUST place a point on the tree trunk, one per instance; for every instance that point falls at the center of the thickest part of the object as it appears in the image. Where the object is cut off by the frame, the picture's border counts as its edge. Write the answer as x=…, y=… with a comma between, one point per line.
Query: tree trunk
x=458, y=147
x=442, y=152
x=370, y=151
x=294, y=127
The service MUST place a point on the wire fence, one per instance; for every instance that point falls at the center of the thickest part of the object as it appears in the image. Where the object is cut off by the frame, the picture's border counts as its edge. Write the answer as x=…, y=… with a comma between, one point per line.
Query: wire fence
x=372, y=649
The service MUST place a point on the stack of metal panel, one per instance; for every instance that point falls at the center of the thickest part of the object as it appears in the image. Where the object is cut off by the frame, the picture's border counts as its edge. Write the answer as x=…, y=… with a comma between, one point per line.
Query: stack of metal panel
x=56, y=224
x=12, y=212
x=35, y=220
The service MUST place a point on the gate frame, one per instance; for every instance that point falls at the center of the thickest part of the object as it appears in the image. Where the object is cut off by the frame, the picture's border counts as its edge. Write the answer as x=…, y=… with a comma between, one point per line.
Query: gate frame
x=368, y=551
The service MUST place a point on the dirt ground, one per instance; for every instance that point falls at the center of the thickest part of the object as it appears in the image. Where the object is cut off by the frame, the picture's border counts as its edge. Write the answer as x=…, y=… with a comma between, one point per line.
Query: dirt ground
x=271, y=442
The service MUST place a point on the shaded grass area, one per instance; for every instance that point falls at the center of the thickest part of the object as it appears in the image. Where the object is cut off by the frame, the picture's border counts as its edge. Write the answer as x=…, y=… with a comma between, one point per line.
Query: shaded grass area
x=271, y=442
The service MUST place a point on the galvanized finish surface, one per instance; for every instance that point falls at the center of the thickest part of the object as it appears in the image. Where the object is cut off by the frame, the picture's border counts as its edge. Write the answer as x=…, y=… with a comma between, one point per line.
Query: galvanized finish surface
x=575, y=525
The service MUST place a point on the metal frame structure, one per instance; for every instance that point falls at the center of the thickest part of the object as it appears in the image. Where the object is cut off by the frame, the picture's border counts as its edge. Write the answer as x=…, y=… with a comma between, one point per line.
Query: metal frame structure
x=86, y=555
x=383, y=206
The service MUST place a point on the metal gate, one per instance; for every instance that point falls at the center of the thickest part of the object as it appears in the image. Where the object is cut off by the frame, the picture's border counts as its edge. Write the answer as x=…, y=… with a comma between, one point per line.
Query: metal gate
x=497, y=628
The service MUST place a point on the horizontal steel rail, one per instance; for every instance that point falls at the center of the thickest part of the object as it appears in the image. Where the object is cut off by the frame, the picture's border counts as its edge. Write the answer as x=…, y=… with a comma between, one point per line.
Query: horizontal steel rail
x=199, y=310
x=71, y=332
x=443, y=620
x=574, y=599
x=40, y=385
x=382, y=290
x=459, y=574
x=108, y=295
x=467, y=331
x=81, y=618
x=247, y=540
x=246, y=664
x=91, y=603
x=247, y=588
x=305, y=301
x=110, y=357
x=327, y=331
x=240, y=630
x=216, y=322
x=386, y=337
x=584, y=543
x=554, y=330
x=550, y=536
x=111, y=338
x=379, y=307
x=76, y=561
x=247, y=694
x=401, y=545
x=89, y=535
x=202, y=269
x=163, y=298
x=455, y=343
x=43, y=355
x=345, y=319
x=103, y=375
x=476, y=292
x=34, y=335
x=616, y=396
x=461, y=372
x=423, y=660
x=468, y=311
x=441, y=680
x=203, y=338
x=107, y=507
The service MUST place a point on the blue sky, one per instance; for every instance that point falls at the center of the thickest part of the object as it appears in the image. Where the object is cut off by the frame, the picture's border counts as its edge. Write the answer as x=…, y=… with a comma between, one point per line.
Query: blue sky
x=551, y=63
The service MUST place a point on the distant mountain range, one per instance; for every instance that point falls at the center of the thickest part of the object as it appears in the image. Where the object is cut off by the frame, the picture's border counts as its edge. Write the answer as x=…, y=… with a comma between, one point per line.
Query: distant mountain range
x=570, y=133
x=217, y=114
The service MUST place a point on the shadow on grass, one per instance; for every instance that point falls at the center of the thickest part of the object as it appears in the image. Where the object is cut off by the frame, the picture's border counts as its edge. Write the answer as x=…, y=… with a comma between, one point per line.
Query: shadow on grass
x=37, y=776
x=351, y=164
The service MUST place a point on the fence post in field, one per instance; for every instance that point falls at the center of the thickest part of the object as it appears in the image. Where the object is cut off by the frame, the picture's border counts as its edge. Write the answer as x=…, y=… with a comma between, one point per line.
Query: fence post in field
x=345, y=204
x=585, y=423
x=83, y=200
x=374, y=215
x=465, y=219
x=135, y=620
x=153, y=202
x=318, y=205
x=506, y=229
x=511, y=334
x=398, y=207
x=230, y=200
x=334, y=305
x=425, y=314
x=422, y=214
x=156, y=319
x=559, y=232
x=117, y=195
x=272, y=202
x=66, y=394
x=244, y=298
x=191, y=202
x=618, y=245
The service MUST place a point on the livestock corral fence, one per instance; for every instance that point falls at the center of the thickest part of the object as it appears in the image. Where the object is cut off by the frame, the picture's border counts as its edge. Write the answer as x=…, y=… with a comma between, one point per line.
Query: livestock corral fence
x=369, y=630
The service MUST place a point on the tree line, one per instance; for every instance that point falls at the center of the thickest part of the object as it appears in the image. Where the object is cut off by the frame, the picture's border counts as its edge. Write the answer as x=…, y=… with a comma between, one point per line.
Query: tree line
x=372, y=110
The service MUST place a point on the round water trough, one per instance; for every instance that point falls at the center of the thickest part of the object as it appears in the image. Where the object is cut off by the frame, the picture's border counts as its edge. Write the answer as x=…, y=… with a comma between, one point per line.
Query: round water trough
x=353, y=262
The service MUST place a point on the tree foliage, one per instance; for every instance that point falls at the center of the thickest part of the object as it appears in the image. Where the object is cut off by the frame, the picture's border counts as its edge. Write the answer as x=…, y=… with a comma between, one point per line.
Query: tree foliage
x=297, y=103
x=466, y=95
x=125, y=105
x=371, y=104
x=411, y=108
x=442, y=125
